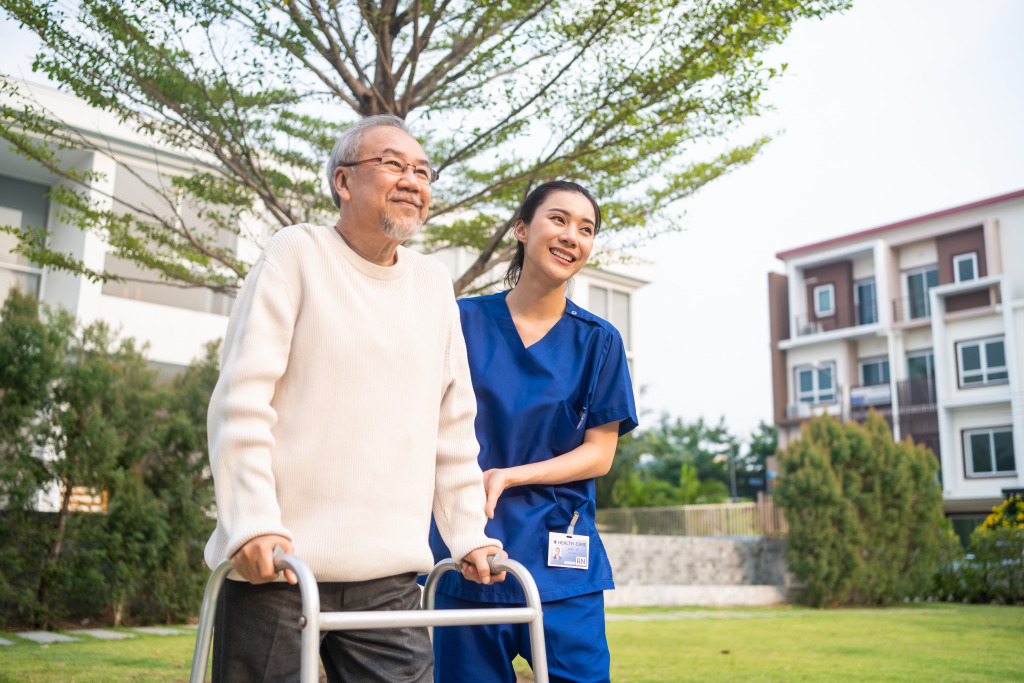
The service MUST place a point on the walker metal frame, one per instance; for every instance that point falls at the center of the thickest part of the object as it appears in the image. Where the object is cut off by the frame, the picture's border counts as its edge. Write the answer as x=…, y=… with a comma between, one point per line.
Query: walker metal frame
x=313, y=621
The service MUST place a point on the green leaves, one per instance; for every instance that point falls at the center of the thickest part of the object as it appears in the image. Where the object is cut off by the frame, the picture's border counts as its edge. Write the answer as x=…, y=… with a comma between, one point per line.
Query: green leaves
x=678, y=463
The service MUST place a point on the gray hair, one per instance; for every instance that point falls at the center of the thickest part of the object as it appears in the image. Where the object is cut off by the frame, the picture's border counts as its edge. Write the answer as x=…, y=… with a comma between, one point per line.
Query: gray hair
x=347, y=145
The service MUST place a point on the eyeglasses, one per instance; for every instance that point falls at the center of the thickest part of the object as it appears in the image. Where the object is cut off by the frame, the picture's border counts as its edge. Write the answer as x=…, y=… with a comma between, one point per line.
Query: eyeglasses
x=396, y=166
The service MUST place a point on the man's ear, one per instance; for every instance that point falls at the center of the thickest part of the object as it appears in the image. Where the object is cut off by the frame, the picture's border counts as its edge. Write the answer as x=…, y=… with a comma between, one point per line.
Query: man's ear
x=520, y=231
x=341, y=181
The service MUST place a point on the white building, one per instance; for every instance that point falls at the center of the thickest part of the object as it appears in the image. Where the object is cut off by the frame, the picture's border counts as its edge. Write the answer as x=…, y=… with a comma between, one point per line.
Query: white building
x=922, y=320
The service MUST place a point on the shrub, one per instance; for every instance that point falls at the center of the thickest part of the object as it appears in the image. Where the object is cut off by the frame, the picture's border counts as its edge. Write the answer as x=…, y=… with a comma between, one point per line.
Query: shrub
x=1008, y=515
x=78, y=408
x=993, y=568
x=865, y=514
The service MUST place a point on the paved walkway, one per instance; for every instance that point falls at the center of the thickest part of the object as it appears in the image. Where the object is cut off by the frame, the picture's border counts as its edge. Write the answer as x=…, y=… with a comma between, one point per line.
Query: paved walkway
x=48, y=637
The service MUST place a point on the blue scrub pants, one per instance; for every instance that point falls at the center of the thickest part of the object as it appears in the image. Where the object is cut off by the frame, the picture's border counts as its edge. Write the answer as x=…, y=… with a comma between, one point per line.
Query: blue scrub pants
x=574, y=638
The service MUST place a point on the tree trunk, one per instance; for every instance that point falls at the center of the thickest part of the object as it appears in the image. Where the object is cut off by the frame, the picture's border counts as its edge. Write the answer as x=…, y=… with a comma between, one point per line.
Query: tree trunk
x=42, y=596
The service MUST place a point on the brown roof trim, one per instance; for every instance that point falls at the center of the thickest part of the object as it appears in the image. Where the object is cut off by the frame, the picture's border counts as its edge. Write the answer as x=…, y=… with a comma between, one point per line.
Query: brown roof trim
x=910, y=221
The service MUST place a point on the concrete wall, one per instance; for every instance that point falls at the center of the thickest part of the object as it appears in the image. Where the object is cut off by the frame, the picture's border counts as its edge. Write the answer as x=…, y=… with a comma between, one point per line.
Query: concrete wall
x=691, y=570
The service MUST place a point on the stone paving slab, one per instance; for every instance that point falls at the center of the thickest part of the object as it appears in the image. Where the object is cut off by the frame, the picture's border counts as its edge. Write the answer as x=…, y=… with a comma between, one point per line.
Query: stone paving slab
x=46, y=637
x=158, y=631
x=5, y=642
x=106, y=634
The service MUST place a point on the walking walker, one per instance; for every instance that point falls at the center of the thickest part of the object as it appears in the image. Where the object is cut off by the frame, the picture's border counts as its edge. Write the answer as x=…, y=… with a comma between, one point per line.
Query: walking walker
x=313, y=621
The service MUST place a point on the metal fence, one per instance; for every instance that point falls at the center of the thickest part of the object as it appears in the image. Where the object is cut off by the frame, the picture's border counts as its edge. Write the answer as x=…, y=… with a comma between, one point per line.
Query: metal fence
x=729, y=519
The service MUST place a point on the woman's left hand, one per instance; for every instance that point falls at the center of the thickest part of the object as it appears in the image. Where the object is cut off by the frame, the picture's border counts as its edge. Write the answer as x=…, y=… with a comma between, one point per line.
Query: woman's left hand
x=495, y=483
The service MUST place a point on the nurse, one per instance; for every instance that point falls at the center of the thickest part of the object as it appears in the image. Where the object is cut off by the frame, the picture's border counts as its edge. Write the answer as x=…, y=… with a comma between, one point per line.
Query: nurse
x=553, y=395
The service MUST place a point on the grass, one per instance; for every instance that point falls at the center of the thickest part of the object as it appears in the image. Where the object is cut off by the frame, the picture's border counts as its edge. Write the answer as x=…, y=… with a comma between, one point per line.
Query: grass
x=921, y=642
x=161, y=659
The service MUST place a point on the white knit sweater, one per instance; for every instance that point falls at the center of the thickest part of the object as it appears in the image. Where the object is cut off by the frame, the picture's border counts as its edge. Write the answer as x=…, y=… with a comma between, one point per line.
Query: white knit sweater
x=344, y=412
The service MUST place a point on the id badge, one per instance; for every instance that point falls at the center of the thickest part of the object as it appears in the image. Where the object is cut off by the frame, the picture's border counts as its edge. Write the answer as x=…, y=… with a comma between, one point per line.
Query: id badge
x=568, y=550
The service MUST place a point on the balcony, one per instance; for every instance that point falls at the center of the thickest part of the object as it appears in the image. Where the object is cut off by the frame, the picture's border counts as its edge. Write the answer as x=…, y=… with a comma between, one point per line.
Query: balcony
x=844, y=317
x=805, y=411
x=918, y=391
x=864, y=399
x=870, y=395
x=918, y=415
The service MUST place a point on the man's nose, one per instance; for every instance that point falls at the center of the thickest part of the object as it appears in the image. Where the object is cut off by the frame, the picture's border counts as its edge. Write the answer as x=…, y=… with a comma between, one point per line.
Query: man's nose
x=408, y=177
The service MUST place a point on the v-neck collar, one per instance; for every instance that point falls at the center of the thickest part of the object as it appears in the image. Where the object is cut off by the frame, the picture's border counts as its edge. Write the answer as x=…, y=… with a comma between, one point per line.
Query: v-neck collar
x=505, y=317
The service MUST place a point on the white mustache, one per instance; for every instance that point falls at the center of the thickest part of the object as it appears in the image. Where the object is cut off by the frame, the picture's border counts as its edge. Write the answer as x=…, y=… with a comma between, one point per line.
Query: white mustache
x=401, y=197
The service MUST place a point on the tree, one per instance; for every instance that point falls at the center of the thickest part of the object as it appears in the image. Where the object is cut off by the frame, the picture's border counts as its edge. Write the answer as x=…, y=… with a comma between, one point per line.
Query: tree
x=98, y=428
x=672, y=463
x=865, y=514
x=29, y=358
x=635, y=99
x=177, y=474
x=707, y=449
x=29, y=361
x=752, y=465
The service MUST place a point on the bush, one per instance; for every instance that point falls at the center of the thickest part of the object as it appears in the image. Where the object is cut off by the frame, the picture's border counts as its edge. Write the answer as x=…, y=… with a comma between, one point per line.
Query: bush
x=1008, y=515
x=80, y=409
x=993, y=568
x=864, y=513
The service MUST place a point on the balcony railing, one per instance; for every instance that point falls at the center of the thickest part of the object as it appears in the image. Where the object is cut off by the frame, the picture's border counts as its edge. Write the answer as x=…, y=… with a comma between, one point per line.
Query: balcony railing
x=803, y=409
x=917, y=391
x=863, y=313
x=870, y=395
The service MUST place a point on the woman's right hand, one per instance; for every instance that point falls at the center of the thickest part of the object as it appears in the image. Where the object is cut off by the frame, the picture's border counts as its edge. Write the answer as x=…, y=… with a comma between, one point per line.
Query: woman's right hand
x=495, y=483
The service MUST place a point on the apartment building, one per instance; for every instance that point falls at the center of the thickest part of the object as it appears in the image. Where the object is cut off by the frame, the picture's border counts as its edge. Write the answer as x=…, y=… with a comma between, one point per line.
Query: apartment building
x=922, y=321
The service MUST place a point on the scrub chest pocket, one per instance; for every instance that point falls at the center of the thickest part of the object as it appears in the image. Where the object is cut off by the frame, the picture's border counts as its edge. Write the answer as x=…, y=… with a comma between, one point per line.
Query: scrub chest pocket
x=568, y=429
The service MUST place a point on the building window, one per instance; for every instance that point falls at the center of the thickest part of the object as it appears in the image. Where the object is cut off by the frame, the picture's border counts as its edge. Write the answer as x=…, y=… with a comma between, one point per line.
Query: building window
x=874, y=371
x=921, y=365
x=919, y=388
x=918, y=283
x=982, y=362
x=816, y=384
x=989, y=452
x=965, y=266
x=864, y=299
x=23, y=205
x=613, y=305
x=824, y=300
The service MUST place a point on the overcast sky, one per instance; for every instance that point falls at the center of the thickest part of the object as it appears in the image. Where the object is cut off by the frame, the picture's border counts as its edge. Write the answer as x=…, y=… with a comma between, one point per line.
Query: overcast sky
x=894, y=109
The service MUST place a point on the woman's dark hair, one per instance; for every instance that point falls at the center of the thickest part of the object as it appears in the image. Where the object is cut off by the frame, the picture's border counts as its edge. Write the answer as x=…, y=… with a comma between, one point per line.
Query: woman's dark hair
x=529, y=207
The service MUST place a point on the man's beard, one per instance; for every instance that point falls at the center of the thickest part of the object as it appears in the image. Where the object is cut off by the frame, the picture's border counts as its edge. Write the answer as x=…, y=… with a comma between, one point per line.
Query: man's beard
x=399, y=231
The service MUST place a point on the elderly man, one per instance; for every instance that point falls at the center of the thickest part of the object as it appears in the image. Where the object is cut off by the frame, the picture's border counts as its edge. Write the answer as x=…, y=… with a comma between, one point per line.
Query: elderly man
x=343, y=418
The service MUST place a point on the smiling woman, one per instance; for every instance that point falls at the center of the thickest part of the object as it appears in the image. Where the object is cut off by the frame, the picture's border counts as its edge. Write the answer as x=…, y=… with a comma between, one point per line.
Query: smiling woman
x=553, y=395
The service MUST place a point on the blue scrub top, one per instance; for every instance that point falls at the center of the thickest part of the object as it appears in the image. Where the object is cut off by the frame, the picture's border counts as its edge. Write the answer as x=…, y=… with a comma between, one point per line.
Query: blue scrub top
x=534, y=404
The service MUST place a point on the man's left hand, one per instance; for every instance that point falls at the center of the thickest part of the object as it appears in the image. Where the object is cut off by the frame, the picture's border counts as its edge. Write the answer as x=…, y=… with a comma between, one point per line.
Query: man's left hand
x=476, y=569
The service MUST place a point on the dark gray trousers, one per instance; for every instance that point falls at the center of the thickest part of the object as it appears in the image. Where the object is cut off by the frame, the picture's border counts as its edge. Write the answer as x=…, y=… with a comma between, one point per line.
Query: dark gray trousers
x=257, y=637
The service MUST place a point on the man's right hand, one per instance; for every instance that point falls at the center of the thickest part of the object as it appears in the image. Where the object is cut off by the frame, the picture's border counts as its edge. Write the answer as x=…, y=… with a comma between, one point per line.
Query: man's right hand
x=255, y=560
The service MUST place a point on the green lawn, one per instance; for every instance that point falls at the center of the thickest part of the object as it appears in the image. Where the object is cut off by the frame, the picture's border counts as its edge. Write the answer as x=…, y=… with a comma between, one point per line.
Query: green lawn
x=161, y=659
x=924, y=642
